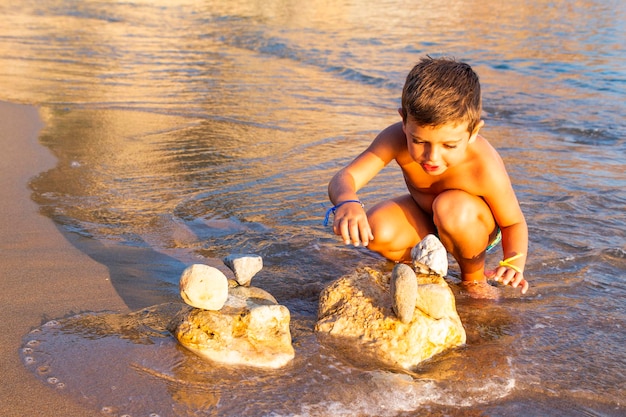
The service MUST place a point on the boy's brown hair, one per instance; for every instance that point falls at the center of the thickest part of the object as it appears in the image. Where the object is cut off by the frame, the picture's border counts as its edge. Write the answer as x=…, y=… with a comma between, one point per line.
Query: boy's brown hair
x=442, y=90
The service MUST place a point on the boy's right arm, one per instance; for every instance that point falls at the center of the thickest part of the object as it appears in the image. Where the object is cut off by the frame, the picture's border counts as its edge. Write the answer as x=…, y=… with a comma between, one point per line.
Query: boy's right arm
x=350, y=221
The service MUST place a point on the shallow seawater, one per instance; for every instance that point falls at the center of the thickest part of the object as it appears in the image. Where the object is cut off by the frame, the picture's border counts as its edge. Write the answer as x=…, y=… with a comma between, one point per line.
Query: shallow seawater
x=147, y=372
x=190, y=130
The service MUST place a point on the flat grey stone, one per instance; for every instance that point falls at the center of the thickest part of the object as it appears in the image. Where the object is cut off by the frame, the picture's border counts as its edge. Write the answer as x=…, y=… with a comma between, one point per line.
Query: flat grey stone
x=403, y=288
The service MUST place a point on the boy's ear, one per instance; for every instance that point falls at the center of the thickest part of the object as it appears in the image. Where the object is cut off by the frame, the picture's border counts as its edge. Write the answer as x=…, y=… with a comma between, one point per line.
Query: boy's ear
x=401, y=113
x=474, y=134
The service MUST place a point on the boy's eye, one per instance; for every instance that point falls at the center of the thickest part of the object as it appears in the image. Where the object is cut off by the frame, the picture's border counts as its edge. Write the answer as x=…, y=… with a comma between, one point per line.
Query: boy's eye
x=450, y=146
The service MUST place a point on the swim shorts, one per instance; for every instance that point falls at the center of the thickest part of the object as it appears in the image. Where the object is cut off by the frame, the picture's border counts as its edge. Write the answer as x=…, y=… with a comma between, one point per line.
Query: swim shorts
x=495, y=240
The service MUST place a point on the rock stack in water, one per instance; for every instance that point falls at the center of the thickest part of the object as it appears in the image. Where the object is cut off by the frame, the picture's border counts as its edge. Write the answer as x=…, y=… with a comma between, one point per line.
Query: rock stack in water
x=228, y=320
x=356, y=316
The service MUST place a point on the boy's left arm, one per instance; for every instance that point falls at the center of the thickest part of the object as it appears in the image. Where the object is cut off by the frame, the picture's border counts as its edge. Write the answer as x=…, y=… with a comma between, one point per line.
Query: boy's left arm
x=509, y=217
x=515, y=248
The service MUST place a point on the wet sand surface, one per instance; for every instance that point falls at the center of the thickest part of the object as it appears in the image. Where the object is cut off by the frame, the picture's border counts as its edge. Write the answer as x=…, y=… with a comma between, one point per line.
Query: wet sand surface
x=43, y=275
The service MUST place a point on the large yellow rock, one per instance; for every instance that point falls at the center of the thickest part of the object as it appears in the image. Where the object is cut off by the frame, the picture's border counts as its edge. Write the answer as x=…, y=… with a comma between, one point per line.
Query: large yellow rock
x=246, y=331
x=355, y=313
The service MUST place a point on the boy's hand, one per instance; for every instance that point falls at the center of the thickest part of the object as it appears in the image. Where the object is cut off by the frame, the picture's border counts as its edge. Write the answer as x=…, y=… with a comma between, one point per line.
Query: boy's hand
x=351, y=224
x=508, y=276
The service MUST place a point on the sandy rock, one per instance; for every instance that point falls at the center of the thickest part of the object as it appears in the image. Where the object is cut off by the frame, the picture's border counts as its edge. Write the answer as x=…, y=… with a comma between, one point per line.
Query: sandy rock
x=258, y=294
x=430, y=256
x=244, y=332
x=244, y=266
x=204, y=287
x=355, y=311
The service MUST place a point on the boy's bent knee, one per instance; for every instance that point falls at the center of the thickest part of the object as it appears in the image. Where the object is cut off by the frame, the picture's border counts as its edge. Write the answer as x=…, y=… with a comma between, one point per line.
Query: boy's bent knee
x=454, y=203
x=455, y=210
x=383, y=230
x=386, y=241
x=396, y=228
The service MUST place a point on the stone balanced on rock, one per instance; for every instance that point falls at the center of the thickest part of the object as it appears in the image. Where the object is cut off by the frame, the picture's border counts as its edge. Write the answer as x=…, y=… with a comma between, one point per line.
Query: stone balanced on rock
x=229, y=321
x=398, y=319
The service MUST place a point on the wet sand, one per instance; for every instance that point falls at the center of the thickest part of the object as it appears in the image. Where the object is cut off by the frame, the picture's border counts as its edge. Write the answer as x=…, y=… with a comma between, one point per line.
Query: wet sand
x=43, y=275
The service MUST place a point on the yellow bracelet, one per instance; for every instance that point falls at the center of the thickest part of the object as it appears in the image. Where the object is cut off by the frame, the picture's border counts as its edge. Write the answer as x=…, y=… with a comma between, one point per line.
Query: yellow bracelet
x=507, y=262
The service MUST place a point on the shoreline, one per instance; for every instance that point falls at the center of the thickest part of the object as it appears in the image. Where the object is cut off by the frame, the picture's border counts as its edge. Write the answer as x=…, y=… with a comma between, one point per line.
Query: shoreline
x=44, y=275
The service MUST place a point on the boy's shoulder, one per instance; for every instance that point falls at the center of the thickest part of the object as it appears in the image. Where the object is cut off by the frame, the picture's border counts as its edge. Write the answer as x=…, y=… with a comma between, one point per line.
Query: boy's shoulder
x=389, y=144
x=392, y=133
x=391, y=138
x=485, y=153
x=484, y=166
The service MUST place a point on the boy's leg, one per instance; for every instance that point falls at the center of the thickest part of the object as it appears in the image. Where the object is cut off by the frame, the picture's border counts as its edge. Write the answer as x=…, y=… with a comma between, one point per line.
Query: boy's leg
x=397, y=226
x=465, y=225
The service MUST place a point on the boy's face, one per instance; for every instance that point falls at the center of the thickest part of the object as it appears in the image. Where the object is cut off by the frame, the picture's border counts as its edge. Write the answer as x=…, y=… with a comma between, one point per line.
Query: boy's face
x=438, y=148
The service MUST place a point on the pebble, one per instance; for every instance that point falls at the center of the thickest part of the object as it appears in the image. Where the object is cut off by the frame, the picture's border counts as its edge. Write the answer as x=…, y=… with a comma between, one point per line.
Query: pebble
x=244, y=266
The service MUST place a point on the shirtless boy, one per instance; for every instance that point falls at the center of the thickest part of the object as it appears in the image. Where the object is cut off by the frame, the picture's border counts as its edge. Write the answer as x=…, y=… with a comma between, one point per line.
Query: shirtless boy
x=458, y=187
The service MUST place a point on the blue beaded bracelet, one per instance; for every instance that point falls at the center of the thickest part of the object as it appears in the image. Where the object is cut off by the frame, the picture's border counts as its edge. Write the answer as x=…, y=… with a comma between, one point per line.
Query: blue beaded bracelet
x=333, y=209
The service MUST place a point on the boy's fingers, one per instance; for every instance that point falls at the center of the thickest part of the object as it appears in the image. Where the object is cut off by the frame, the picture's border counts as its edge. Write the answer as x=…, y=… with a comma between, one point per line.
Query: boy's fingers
x=498, y=274
x=354, y=234
x=337, y=227
x=504, y=275
x=352, y=231
x=519, y=281
x=364, y=237
x=342, y=230
x=366, y=233
x=510, y=278
x=515, y=282
x=523, y=284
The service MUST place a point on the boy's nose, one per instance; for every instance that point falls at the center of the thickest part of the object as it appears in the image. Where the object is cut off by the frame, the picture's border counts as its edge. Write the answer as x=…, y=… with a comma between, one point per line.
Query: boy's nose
x=432, y=154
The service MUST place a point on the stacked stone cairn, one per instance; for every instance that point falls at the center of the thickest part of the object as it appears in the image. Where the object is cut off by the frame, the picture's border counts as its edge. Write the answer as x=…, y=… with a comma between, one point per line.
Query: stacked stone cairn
x=230, y=322
x=396, y=319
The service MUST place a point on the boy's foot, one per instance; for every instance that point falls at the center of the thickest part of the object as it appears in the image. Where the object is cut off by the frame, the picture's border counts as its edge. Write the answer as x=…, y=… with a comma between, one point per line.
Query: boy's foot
x=481, y=289
x=430, y=256
x=403, y=288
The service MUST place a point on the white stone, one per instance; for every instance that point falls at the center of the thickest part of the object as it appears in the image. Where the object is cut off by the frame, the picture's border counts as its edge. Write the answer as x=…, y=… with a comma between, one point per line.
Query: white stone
x=204, y=287
x=244, y=266
x=430, y=256
x=355, y=316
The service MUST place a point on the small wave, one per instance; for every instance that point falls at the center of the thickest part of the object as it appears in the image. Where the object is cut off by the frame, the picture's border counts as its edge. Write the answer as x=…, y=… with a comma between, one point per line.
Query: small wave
x=279, y=48
x=615, y=253
x=388, y=394
x=85, y=13
x=587, y=135
x=354, y=75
